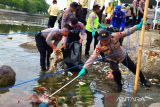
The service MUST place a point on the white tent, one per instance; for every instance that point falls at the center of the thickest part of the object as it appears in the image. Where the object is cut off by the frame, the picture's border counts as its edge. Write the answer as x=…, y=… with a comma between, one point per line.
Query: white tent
x=155, y=17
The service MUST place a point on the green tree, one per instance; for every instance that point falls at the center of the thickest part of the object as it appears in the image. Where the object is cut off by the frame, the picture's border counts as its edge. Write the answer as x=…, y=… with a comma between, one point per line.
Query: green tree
x=30, y=6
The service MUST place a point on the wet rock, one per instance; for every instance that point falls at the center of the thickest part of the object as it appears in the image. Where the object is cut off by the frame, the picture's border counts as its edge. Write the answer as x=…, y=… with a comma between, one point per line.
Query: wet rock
x=10, y=38
x=156, y=42
x=7, y=76
x=155, y=105
x=65, y=105
x=151, y=62
x=29, y=45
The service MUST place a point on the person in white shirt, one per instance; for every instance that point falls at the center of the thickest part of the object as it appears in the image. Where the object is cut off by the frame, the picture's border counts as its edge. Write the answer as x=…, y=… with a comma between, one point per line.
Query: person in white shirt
x=53, y=12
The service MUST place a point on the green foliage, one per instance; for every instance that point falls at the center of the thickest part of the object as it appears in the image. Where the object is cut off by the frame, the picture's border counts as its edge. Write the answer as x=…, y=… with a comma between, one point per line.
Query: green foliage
x=30, y=6
x=85, y=95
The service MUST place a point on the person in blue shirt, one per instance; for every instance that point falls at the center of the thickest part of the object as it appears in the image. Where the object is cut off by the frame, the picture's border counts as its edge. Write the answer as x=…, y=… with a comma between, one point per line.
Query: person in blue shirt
x=118, y=20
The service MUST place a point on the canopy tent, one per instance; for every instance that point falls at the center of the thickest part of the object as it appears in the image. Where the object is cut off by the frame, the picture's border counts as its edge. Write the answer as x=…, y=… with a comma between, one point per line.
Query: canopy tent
x=155, y=17
x=151, y=2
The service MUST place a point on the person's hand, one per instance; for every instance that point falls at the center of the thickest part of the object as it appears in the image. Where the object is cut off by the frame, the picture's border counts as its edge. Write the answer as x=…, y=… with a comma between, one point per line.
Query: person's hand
x=102, y=26
x=82, y=72
x=93, y=32
x=138, y=26
x=57, y=51
x=80, y=41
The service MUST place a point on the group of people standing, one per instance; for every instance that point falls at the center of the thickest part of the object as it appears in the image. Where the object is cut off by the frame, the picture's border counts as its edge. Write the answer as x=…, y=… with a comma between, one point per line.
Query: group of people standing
x=73, y=29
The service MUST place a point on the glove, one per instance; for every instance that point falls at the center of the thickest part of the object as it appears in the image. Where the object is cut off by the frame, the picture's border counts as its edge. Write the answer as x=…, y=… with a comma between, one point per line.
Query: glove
x=138, y=26
x=93, y=32
x=82, y=72
x=102, y=26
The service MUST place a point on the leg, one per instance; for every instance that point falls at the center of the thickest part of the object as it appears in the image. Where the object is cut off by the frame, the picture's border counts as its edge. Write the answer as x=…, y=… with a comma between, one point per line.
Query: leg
x=54, y=20
x=140, y=16
x=49, y=51
x=49, y=21
x=40, y=43
x=89, y=40
x=95, y=39
x=132, y=67
x=117, y=75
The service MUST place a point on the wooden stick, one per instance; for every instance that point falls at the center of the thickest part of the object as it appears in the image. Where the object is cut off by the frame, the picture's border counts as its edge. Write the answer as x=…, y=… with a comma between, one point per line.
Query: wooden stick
x=63, y=86
x=140, y=48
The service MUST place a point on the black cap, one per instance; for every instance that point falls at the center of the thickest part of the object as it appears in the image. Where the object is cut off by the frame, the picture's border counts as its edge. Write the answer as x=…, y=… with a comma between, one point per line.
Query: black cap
x=104, y=35
x=74, y=5
x=95, y=6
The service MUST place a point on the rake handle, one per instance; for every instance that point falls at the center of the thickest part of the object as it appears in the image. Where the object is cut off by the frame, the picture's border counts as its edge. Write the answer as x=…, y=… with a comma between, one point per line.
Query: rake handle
x=63, y=86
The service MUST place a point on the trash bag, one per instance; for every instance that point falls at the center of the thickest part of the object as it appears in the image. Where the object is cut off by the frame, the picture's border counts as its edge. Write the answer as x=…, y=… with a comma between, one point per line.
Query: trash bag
x=72, y=56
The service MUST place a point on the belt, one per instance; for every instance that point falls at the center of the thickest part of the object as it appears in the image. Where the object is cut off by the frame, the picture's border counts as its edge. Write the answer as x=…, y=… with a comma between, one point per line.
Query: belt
x=39, y=33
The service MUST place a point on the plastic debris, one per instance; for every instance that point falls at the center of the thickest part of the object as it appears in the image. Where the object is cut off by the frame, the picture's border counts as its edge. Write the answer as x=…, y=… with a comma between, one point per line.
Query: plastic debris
x=93, y=86
x=54, y=59
x=43, y=105
x=82, y=83
x=154, y=81
x=40, y=89
x=69, y=73
x=45, y=98
x=35, y=98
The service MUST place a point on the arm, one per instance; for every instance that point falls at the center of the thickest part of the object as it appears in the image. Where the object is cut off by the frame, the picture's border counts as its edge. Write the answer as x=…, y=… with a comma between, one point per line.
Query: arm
x=82, y=33
x=93, y=57
x=140, y=7
x=134, y=7
x=126, y=32
x=64, y=19
x=113, y=20
x=102, y=9
x=49, y=40
x=129, y=31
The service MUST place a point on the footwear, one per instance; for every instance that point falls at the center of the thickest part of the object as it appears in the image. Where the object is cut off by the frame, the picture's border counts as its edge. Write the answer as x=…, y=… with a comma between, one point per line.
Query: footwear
x=146, y=83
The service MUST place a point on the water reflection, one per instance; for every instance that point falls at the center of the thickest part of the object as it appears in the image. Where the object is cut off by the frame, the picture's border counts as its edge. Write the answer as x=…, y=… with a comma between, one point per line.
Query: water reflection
x=6, y=29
